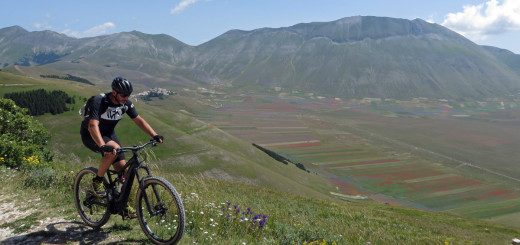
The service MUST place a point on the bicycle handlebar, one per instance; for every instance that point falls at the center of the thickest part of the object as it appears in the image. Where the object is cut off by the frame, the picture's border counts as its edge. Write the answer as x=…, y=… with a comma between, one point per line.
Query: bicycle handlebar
x=136, y=147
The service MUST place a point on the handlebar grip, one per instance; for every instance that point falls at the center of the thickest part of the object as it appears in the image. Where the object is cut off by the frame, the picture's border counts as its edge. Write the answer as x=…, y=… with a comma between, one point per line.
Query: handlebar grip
x=106, y=148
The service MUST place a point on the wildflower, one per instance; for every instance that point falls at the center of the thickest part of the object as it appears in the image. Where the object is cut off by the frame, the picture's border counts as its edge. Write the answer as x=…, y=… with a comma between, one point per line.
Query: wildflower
x=261, y=223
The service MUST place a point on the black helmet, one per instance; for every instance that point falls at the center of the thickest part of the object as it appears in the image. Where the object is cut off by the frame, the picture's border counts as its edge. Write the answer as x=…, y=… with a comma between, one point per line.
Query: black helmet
x=122, y=86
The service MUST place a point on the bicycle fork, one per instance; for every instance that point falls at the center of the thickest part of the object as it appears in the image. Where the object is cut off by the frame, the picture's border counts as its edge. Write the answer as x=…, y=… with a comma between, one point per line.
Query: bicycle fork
x=159, y=208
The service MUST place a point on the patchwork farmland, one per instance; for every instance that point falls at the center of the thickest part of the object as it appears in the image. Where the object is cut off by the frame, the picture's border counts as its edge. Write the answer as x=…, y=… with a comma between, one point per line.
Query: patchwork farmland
x=290, y=127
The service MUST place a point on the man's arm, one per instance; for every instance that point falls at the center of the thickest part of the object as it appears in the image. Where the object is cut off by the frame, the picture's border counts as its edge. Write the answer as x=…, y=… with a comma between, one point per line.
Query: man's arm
x=143, y=125
x=93, y=129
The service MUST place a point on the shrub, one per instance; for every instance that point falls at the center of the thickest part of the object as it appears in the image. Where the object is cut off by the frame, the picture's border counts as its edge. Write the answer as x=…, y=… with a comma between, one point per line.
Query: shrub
x=22, y=138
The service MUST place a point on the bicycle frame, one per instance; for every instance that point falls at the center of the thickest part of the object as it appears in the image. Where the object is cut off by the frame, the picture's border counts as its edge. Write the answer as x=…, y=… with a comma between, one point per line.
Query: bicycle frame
x=119, y=200
x=159, y=206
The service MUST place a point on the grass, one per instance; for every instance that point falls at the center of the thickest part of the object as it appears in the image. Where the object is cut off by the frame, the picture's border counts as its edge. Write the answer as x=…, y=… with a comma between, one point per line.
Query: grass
x=211, y=168
x=212, y=216
x=22, y=224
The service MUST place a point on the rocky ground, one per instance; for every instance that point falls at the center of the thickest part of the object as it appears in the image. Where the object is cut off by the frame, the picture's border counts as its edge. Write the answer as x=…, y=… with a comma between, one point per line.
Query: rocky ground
x=27, y=219
x=17, y=214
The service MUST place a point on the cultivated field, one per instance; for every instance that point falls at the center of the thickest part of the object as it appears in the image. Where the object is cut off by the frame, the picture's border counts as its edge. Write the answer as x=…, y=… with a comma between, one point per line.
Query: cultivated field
x=422, y=154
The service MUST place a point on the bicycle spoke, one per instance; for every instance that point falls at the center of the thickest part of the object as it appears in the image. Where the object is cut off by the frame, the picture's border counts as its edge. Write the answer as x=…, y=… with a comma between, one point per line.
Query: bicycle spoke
x=161, y=212
x=93, y=210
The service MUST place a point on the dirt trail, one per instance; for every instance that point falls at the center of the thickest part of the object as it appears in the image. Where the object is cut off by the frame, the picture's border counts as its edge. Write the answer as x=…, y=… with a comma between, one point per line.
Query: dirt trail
x=15, y=213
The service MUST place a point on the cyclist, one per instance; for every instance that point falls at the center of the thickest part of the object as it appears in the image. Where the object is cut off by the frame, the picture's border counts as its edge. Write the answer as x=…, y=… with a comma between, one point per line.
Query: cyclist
x=102, y=114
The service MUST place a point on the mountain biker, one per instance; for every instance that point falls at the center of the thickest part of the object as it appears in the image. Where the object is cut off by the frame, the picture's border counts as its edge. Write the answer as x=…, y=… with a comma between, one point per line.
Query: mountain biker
x=97, y=131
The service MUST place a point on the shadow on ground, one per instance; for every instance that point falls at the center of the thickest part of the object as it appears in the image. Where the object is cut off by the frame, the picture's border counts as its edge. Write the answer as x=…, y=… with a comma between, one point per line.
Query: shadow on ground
x=64, y=233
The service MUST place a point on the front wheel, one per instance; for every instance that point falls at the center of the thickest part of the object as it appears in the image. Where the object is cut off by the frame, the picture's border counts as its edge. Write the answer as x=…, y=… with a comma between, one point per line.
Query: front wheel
x=160, y=211
x=93, y=210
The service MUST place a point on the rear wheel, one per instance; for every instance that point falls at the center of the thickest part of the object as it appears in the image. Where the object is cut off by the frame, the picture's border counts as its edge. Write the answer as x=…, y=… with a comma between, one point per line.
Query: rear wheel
x=160, y=211
x=93, y=211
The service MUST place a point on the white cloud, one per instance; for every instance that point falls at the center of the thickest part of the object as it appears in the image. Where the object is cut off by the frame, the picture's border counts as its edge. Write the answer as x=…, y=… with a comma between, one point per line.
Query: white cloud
x=43, y=25
x=92, y=32
x=477, y=22
x=182, y=5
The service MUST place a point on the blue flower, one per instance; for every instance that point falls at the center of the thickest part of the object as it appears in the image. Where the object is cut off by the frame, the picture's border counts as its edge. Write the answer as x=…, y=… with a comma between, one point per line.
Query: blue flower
x=261, y=223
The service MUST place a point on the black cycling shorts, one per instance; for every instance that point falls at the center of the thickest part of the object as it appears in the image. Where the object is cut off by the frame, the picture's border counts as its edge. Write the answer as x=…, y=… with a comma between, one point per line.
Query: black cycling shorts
x=89, y=143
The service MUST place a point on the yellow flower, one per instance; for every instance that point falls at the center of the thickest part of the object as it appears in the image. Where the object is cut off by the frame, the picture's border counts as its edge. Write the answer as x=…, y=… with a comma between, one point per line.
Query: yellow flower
x=32, y=160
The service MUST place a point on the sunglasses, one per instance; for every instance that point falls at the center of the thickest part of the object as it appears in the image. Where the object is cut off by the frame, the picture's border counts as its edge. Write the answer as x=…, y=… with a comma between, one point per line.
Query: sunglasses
x=124, y=95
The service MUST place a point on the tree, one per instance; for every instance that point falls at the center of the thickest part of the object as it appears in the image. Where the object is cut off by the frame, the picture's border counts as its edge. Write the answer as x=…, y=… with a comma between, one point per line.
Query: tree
x=41, y=101
x=22, y=138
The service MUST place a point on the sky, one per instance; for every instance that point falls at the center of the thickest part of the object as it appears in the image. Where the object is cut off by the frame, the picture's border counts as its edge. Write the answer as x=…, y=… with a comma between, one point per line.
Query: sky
x=485, y=22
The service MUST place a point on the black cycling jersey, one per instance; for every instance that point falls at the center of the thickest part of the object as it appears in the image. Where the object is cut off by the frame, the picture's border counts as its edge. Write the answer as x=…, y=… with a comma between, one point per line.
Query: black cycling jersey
x=107, y=113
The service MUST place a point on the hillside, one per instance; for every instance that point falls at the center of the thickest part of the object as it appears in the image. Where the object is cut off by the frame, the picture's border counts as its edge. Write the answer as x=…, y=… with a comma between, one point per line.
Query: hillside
x=357, y=57
x=209, y=165
x=192, y=146
x=29, y=215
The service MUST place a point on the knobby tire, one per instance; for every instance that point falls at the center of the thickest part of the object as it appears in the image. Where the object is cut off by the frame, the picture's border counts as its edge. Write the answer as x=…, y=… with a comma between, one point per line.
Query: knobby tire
x=92, y=210
x=165, y=222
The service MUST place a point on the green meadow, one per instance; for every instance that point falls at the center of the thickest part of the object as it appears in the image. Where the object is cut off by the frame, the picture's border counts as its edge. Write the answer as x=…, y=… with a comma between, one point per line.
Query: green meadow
x=212, y=166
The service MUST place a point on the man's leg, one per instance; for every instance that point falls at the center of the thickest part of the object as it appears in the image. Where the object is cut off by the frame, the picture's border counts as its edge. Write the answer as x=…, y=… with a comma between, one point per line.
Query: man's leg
x=107, y=160
x=129, y=211
x=119, y=165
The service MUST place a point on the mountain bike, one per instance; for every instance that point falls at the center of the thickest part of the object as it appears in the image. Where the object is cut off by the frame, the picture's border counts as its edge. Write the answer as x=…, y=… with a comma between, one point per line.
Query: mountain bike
x=158, y=205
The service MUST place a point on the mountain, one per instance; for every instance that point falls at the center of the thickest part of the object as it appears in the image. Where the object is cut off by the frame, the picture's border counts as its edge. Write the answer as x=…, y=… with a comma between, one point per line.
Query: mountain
x=360, y=56
x=507, y=57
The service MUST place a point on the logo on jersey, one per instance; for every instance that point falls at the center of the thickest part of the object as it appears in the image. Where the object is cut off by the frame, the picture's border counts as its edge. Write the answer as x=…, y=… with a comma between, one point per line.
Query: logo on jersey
x=113, y=113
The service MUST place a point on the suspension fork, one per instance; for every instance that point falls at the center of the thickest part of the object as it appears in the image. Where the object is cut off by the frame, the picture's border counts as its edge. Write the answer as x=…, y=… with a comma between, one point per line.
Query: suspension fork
x=156, y=193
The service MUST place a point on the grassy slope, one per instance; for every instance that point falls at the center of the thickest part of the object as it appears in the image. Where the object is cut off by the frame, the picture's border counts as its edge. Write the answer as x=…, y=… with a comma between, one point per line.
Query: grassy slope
x=195, y=148
x=191, y=146
x=291, y=218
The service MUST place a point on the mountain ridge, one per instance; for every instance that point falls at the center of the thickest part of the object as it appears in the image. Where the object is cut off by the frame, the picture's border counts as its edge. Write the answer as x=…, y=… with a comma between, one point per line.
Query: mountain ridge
x=360, y=56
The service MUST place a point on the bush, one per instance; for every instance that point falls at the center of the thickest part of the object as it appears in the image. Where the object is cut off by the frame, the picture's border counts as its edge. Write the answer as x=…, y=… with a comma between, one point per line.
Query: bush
x=23, y=139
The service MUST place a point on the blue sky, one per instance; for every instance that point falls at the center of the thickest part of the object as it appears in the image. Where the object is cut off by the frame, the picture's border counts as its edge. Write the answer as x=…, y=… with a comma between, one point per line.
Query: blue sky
x=486, y=22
